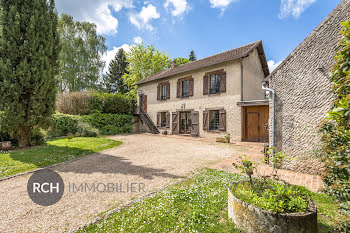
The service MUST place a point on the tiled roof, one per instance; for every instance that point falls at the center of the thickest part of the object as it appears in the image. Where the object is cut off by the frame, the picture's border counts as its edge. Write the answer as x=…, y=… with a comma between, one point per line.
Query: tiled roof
x=212, y=60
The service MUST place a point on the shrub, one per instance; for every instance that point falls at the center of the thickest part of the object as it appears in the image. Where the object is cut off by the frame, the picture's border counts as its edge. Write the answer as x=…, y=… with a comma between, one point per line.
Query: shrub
x=335, y=129
x=37, y=137
x=87, y=130
x=90, y=125
x=63, y=124
x=110, y=124
x=272, y=195
x=84, y=103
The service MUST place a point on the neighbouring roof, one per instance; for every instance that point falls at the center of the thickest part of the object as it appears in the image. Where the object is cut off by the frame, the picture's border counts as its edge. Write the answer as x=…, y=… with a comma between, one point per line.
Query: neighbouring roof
x=307, y=39
x=213, y=60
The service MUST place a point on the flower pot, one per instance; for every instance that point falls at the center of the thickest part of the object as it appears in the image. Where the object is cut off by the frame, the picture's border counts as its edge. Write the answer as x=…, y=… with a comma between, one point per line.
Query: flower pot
x=251, y=218
x=5, y=145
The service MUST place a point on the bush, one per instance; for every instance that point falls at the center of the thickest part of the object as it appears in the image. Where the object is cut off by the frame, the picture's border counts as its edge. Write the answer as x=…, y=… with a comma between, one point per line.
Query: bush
x=335, y=129
x=87, y=130
x=37, y=137
x=272, y=195
x=110, y=124
x=63, y=124
x=93, y=124
x=84, y=103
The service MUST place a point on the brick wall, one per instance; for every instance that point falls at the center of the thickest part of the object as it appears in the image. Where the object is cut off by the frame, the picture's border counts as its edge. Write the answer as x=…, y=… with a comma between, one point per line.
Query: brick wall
x=303, y=93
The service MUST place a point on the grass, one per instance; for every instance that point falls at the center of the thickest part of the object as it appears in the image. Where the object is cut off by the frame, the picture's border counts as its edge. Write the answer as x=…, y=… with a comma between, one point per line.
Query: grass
x=198, y=204
x=55, y=151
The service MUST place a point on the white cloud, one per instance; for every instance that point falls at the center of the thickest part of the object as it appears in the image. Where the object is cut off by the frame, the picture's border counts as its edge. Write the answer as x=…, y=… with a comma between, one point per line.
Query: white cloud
x=179, y=7
x=95, y=11
x=142, y=19
x=137, y=40
x=294, y=7
x=110, y=54
x=273, y=65
x=222, y=4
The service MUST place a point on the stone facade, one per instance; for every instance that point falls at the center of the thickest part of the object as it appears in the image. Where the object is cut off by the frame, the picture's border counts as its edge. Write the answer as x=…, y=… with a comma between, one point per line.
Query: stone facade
x=253, y=76
x=303, y=93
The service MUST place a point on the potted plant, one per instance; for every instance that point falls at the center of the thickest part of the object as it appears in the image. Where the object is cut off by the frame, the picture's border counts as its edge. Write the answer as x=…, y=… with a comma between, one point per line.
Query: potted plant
x=269, y=205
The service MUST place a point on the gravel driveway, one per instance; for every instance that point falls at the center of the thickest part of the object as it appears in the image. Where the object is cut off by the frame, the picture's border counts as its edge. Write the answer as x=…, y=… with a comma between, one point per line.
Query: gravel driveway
x=152, y=160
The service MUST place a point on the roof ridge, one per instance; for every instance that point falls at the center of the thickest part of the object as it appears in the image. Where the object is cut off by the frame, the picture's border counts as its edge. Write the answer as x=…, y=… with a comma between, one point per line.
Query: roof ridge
x=323, y=22
x=256, y=42
x=197, y=64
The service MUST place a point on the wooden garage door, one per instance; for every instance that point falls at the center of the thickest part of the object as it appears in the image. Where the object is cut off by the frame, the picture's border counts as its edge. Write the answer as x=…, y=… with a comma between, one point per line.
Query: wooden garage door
x=255, y=122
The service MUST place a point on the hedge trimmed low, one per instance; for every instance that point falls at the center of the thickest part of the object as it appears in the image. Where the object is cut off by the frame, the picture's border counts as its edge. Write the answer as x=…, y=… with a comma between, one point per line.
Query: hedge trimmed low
x=107, y=124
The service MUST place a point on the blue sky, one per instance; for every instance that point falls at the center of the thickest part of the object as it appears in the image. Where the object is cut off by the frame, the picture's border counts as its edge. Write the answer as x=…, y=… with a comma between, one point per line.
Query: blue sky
x=206, y=26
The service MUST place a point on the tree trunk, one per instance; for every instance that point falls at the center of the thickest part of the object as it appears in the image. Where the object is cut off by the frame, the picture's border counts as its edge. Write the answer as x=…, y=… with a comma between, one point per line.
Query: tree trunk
x=23, y=138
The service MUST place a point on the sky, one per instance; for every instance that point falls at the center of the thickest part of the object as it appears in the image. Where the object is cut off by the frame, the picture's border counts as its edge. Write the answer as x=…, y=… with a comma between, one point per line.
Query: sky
x=206, y=26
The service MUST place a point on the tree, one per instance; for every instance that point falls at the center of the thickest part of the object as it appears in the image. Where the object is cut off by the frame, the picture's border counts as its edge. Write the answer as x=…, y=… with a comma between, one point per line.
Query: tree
x=335, y=130
x=181, y=60
x=144, y=60
x=29, y=47
x=80, y=59
x=117, y=68
x=192, y=56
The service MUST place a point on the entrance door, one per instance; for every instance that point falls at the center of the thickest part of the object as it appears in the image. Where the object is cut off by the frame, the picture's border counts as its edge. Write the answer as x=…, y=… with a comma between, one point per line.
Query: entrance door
x=255, y=123
x=144, y=103
x=185, y=123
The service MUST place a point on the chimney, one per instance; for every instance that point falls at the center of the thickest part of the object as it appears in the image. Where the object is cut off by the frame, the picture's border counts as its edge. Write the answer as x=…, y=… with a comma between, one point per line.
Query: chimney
x=172, y=64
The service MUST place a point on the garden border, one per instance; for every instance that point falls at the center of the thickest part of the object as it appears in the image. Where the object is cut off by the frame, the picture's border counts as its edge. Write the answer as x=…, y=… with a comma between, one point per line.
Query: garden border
x=57, y=164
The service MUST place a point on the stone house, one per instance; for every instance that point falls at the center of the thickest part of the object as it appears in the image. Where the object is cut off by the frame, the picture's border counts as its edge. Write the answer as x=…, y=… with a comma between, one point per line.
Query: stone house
x=209, y=97
x=302, y=86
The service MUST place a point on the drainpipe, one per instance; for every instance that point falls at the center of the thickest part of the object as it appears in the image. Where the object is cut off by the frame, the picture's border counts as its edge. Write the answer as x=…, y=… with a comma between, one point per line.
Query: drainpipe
x=273, y=111
x=242, y=80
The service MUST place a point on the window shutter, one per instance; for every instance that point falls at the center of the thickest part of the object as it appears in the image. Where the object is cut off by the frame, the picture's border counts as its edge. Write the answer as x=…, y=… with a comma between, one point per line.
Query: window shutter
x=158, y=119
x=158, y=92
x=191, y=86
x=222, y=126
x=223, y=82
x=168, y=90
x=174, y=123
x=205, y=84
x=168, y=119
x=205, y=120
x=195, y=123
x=178, y=91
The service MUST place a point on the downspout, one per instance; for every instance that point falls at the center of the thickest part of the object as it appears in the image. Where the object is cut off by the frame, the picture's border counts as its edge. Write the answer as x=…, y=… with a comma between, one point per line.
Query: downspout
x=241, y=79
x=273, y=112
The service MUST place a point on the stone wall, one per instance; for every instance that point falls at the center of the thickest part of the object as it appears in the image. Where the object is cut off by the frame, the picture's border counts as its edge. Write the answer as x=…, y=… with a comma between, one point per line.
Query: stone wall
x=303, y=93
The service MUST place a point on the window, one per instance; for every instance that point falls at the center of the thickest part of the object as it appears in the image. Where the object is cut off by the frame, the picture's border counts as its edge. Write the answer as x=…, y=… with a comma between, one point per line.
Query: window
x=186, y=88
x=164, y=92
x=214, y=120
x=214, y=84
x=163, y=119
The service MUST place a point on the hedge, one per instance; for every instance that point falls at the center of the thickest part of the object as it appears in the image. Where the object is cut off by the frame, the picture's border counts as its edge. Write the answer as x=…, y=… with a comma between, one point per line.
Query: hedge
x=84, y=103
x=107, y=124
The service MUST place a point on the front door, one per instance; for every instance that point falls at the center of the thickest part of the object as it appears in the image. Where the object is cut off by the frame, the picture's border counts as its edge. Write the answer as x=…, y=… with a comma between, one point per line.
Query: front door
x=255, y=120
x=185, y=122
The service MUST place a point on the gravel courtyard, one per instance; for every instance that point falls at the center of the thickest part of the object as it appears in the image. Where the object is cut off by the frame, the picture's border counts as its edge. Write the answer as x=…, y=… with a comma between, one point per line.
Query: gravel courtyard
x=150, y=159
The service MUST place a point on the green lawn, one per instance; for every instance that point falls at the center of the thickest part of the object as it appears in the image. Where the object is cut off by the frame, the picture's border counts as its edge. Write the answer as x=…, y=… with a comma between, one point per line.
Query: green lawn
x=54, y=152
x=195, y=205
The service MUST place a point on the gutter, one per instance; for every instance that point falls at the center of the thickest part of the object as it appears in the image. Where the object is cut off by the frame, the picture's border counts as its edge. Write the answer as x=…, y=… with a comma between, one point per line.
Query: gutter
x=241, y=59
x=273, y=111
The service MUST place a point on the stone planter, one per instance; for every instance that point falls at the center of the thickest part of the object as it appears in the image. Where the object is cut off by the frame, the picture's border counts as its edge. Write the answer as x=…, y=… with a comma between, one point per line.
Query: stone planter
x=5, y=145
x=251, y=218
